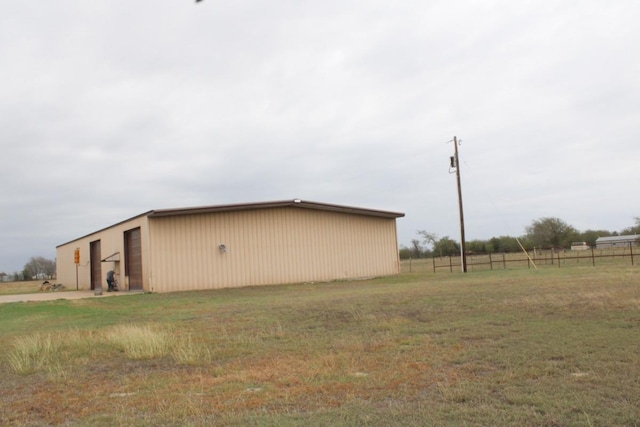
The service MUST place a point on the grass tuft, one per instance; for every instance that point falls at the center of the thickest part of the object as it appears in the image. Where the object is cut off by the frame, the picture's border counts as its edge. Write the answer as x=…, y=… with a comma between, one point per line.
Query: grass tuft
x=32, y=353
x=186, y=351
x=139, y=342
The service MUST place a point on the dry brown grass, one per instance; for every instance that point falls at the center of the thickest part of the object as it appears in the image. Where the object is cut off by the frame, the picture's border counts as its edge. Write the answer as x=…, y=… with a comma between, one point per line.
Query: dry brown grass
x=15, y=288
x=521, y=348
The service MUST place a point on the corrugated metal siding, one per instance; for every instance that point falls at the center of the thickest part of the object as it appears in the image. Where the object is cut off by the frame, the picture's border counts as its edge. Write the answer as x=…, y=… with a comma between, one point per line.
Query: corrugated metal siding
x=268, y=246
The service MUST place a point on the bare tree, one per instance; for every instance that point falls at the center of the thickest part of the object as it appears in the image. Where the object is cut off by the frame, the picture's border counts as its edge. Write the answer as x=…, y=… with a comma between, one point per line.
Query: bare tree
x=39, y=268
x=428, y=238
x=416, y=249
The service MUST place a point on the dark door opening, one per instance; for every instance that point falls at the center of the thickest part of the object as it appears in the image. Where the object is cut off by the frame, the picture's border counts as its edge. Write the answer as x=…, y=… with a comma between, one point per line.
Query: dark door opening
x=133, y=258
x=95, y=265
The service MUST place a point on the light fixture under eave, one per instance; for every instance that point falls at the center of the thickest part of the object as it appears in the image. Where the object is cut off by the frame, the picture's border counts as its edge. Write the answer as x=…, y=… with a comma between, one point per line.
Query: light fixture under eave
x=223, y=248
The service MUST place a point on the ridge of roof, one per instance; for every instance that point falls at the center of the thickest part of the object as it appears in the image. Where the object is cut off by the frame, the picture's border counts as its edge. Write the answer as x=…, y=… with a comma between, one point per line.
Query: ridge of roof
x=298, y=203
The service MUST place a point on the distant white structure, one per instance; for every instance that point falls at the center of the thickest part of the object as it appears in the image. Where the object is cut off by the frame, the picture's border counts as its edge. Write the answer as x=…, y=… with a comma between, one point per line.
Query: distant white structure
x=579, y=246
x=617, y=241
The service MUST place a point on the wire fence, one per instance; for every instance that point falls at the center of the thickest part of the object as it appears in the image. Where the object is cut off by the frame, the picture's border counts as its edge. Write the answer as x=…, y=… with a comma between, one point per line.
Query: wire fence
x=538, y=258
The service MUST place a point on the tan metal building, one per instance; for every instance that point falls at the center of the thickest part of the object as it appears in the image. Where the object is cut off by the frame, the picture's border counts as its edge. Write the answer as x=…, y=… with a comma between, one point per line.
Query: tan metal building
x=212, y=247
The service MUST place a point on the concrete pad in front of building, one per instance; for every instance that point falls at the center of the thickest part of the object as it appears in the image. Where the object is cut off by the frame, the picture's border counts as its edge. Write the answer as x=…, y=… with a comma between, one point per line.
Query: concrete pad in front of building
x=52, y=296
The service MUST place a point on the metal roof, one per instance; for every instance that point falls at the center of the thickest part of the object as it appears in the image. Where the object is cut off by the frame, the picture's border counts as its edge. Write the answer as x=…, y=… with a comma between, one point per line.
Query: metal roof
x=296, y=203
x=158, y=213
x=627, y=238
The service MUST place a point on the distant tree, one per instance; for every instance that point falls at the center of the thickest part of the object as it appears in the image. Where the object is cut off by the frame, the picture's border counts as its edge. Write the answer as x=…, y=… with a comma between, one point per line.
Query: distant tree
x=635, y=229
x=428, y=239
x=39, y=267
x=446, y=247
x=504, y=244
x=590, y=236
x=404, y=252
x=416, y=249
x=525, y=242
x=494, y=244
x=477, y=246
x=551, y=233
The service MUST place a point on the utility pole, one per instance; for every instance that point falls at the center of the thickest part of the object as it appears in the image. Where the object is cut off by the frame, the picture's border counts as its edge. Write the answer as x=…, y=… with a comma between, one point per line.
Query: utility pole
x=456, y=164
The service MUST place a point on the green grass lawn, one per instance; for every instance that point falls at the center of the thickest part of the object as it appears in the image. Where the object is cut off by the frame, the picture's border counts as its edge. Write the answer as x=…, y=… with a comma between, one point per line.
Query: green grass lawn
x=549, y=347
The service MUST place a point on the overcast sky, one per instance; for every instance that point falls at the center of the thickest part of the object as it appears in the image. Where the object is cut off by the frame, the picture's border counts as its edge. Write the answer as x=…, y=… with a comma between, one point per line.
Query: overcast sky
x=111, y=108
